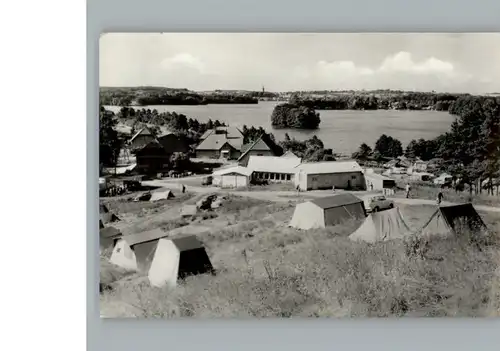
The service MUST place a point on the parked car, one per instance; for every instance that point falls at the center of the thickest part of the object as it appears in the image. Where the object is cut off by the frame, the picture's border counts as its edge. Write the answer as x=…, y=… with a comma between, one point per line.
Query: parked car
x=378, y=203
x=207, y=180
x=444, y=179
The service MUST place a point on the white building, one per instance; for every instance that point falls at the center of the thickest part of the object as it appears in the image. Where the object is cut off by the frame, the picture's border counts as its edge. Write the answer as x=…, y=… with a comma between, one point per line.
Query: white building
x=273, y=169
x=326, y=175
x=232, y=177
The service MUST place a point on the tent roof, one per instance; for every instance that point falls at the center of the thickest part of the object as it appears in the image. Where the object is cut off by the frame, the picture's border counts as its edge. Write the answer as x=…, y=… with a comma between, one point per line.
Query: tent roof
x=143, y=237
x=187, y=243
x=450, y=213
x=336, y=201
x=329, y=167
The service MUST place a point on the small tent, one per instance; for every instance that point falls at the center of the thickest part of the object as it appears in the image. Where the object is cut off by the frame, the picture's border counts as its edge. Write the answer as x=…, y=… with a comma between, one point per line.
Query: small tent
x=161, y=195
x=103, y=208
x=453, y=220
x=327, y=211
x=135, y=251
x=178, y=258
x=108, y=237
x=382, y=226
x=108, y=218
x=188, y=210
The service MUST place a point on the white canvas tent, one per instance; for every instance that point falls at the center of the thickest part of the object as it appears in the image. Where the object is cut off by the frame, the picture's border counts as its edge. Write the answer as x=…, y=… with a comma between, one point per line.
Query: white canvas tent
x=382, y=226
x=327, y=211
x=176, y=259
x=161, y=195
x=188, y=210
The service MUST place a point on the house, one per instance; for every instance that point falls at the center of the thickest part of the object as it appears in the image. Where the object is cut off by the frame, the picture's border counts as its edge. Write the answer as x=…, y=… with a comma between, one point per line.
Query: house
x=376, y=181
x=329, y=174
x=273, y=168
x=327, y=211
x=152, y=158
x=219, y=146
x=140, y=139
x=229, y=132
x=263, y=146
x=173, y=143
x=232, y=177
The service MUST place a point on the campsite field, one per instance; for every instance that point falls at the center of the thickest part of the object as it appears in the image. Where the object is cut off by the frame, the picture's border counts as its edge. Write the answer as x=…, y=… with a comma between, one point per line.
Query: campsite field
x=266, y=269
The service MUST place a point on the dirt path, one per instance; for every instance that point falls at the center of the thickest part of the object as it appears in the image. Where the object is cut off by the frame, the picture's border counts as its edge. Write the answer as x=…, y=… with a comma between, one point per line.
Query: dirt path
x=285, y=196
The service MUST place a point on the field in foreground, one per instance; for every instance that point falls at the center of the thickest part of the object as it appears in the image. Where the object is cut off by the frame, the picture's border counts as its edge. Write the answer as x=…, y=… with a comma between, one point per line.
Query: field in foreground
x=266, y=269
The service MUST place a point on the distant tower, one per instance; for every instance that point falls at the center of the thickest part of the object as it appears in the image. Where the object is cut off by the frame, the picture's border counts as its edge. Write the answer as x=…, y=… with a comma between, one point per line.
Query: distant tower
x=263, y=90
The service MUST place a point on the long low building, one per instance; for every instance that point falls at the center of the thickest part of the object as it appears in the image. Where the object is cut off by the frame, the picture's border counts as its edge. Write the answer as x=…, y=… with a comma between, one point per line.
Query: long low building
x=273, y=169
x=329, y=174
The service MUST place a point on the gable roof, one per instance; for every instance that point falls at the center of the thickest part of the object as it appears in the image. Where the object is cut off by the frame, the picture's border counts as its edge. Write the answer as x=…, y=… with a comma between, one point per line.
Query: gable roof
x=329, y=167
x=272, y=164
x=336, y=201
x=187, y=243
x=289, y=154
x=217, y=141
x=206, y=134
x=258, y=145
x=139, y=238
x=143, y=131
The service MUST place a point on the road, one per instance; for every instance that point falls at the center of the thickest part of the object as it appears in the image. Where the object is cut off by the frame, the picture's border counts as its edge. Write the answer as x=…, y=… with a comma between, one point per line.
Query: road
x=285, y=196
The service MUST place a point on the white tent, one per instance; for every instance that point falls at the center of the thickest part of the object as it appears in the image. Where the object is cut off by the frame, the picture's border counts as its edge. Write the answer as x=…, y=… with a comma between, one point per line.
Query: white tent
x=161, y=195
x=382, y=226
x=176, y=259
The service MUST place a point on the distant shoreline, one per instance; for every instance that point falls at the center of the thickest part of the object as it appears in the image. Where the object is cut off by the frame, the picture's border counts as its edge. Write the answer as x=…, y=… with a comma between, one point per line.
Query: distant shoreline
x=349, y=100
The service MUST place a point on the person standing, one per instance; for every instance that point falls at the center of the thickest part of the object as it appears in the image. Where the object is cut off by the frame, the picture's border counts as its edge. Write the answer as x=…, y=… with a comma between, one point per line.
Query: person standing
x=183, y=188
x=440, y=196
x=408, y=188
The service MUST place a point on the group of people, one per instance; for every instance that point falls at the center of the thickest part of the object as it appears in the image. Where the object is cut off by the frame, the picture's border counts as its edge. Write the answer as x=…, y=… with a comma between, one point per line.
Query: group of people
x=115, y=190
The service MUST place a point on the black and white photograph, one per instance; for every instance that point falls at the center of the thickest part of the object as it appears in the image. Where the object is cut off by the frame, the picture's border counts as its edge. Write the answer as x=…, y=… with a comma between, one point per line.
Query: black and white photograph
x=295, y=175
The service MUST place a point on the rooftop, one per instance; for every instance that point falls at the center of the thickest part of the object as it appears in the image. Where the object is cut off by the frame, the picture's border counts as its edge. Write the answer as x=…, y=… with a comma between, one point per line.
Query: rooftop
x=237, y=169
x=273, y=164
x=329, y=167
x=216, y=141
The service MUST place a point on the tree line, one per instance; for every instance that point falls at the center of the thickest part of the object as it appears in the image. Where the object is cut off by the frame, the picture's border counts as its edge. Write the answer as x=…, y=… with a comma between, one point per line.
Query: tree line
x=382, y=101
x=143, y=96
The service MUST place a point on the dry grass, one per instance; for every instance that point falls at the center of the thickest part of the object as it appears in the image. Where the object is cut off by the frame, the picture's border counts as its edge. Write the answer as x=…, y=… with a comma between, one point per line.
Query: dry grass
x=265, y=269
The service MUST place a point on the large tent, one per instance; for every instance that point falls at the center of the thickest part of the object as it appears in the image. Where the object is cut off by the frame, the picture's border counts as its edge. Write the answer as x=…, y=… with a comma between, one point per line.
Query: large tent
x=327, y=211
x=178, y=258
x=453, y=220
x=165, y=260
x=382, y=226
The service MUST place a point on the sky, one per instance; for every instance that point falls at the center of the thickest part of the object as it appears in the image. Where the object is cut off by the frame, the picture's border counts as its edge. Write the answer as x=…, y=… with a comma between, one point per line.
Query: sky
x=293, y=61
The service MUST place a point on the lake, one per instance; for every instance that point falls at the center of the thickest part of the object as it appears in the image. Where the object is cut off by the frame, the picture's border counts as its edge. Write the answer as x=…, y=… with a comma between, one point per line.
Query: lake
x=341, y=130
